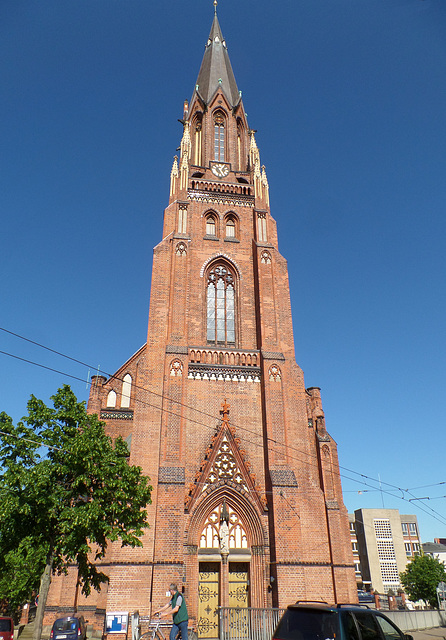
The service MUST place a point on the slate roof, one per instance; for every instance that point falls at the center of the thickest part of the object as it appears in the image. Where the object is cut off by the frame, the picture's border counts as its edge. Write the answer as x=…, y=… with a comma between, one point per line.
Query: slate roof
x=216, y=70
x=433, y=547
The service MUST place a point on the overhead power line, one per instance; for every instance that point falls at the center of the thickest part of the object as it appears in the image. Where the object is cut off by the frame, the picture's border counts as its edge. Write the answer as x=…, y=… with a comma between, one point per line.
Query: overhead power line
x=307, y=455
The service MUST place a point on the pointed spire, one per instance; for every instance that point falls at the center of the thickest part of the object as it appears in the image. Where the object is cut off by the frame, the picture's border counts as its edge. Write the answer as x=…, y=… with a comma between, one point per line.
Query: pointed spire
x=216, y=71
x=174, y=176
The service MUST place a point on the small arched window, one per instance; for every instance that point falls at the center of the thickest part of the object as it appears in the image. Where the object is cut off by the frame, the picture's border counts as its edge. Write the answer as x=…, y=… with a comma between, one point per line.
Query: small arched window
x=230, y=227
x=211, y=225
x=220, y=305
x=111, y=399
x=219, y=137
x=126, y=391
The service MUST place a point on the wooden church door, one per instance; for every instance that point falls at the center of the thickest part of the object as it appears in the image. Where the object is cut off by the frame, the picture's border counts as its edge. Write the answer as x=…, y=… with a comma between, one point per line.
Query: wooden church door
x=208, y=599
x=224, y=581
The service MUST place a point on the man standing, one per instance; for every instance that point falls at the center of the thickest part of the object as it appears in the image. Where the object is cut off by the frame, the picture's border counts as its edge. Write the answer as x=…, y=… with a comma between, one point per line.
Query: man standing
x=179, y=612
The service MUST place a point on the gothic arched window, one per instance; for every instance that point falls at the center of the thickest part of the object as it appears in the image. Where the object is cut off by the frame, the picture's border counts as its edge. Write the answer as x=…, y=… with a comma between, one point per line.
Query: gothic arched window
x=111, y=399
x=211, y=225
x=126, y=391
x=230, y=224
x=220, y=305
x=219, y=137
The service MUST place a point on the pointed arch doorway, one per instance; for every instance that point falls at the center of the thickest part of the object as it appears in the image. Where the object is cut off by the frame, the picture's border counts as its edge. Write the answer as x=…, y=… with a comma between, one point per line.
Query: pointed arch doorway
x=224, y=568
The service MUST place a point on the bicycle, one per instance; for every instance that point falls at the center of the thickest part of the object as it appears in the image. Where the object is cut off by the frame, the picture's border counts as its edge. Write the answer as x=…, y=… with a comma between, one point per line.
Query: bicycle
x=156, y=632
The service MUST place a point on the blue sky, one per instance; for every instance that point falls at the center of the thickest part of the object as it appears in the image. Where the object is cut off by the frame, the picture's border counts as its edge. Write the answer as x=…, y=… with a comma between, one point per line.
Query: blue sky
x=349, y=101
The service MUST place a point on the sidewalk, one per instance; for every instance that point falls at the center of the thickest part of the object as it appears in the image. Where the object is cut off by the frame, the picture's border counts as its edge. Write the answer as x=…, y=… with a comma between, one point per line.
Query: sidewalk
x=436, y=633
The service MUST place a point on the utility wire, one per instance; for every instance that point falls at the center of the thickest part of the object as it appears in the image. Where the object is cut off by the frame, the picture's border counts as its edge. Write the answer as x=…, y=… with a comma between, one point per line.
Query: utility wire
x=240, y=428
x=179, y=403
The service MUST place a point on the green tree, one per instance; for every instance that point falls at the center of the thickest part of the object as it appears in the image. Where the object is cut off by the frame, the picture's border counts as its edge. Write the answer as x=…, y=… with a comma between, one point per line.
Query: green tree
x=421, y=579
x=20, y=571
x=66, y=491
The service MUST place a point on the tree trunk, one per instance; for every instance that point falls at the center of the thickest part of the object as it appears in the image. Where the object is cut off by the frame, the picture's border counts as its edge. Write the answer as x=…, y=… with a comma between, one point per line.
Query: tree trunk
x=45, y=582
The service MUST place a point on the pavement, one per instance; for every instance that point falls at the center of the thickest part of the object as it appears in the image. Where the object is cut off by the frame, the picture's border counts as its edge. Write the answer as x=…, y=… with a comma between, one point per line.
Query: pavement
x=435, y=633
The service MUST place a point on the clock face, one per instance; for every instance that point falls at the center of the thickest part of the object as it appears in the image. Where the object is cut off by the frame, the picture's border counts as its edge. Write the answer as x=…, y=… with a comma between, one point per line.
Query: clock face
x=220, y=170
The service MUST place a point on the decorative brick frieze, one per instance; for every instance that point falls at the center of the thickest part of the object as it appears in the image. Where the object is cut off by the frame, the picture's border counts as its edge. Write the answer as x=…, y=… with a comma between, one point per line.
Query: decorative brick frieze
x=268, y=355
x=228, y=357
x=171, y=348
x=283, y=478
x=171, y=475
x=116, y=414
x=222, y=372
x=332, y=504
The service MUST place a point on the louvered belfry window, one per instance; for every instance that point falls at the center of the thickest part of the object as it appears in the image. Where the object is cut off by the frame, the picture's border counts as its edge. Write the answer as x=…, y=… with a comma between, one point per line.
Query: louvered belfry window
x=221, y=305
x=219, y=138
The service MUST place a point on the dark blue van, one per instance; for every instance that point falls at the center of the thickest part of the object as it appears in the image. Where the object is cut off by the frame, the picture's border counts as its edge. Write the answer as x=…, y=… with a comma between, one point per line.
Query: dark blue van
x=69, y=628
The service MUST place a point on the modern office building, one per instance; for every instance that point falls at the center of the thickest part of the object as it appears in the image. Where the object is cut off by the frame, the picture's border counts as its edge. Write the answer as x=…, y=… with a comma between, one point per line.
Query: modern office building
x=382, y=541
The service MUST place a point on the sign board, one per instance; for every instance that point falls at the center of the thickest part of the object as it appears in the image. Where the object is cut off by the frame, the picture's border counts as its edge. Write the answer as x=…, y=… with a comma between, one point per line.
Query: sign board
x=117, y=622
x=441, y=595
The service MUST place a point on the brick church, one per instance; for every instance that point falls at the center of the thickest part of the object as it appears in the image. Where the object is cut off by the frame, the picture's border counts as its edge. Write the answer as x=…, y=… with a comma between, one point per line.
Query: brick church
x=247, y=506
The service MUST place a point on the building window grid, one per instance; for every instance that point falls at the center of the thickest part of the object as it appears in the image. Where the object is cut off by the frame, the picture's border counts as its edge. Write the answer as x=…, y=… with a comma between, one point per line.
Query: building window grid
x=386, y=554
x=386, y=550
x=389, y=572
x=382, y=528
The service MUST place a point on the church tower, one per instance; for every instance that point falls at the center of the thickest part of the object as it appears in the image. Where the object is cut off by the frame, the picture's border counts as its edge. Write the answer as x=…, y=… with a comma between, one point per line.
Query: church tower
x=247, y=505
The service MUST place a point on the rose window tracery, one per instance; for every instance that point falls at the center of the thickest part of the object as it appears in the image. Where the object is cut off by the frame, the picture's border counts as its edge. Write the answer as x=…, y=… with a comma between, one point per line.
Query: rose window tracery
x=176, y=368
x=181, y=249
x=275, y=373
x=225, y=467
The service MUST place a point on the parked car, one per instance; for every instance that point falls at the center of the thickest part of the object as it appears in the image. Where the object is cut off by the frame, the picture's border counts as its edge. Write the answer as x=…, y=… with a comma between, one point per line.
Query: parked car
x=69, y=628
x=6, y=628
x=365, y=596
x=321, y=621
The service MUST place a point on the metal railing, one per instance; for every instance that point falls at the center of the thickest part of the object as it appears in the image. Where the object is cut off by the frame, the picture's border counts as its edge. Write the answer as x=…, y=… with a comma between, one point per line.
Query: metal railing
x=248, y=623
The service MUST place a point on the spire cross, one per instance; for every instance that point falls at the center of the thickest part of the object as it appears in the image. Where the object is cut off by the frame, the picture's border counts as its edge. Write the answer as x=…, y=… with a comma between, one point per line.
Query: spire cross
x=225, y=412
x=215, y=5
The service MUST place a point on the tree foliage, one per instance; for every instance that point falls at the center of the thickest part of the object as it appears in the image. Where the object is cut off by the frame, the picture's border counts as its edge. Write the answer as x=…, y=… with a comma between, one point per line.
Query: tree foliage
x=20, y=572
x=421, y=579
x=66, y=491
